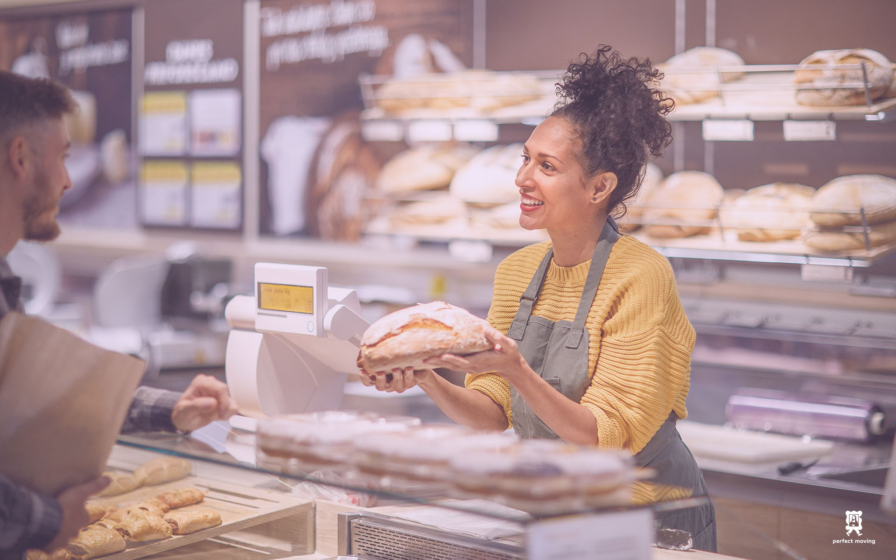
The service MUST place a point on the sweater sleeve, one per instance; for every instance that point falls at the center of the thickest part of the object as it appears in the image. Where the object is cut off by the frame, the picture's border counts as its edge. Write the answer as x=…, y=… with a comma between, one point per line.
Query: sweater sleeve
x=643, y=368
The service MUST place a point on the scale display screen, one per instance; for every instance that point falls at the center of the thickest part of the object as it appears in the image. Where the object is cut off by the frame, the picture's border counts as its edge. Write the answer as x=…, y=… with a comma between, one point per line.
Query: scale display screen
x=283, y=297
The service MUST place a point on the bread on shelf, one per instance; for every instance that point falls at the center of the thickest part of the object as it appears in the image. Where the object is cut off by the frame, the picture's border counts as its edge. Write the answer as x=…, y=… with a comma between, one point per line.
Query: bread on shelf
x=821, y=71
x=683, y=205
x=490, y=176
x=424, y=168
x=690, y=76
x=841, y=201
x=769, y=213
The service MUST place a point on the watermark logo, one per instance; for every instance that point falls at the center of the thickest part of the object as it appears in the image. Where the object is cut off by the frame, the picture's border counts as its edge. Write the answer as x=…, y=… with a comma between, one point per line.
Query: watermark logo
x=854, y=522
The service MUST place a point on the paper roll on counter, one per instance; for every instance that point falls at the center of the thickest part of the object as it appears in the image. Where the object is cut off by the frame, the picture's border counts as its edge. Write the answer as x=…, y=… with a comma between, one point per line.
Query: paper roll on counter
x=823, y=416
x=293, y=345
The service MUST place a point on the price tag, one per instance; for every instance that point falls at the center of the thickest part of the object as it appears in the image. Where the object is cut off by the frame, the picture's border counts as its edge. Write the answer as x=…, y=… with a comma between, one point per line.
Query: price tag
x=470, y=250
x=802, y=131
x=626, y=535
x=382, y=131
x=728, y=130
x=825, y=273
x=476, y=131
x=429, y=131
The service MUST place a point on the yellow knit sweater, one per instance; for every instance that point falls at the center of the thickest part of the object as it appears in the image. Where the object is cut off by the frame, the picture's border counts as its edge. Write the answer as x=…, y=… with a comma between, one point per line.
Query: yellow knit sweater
x=640, y=340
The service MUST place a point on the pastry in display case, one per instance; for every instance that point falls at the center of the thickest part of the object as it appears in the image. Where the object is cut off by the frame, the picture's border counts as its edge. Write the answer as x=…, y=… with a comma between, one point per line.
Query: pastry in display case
x=822, y=81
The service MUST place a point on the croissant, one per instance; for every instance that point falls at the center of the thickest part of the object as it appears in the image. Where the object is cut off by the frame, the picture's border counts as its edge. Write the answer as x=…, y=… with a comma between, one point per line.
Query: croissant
x=143, y=526
x=96, y=541
x=162, y=469
x=181, y=498
x=183, y=522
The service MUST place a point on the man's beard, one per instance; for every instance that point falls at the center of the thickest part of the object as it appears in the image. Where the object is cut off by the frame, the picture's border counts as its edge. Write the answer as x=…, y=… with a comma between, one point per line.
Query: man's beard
x=40, y=223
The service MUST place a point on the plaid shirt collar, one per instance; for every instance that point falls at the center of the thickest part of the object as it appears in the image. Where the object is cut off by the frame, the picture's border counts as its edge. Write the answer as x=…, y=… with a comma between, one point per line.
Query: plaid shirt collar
x=11, y=288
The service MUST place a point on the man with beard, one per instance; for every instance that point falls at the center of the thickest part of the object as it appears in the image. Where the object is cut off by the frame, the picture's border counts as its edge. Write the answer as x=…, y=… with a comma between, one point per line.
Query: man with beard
x=34, y=143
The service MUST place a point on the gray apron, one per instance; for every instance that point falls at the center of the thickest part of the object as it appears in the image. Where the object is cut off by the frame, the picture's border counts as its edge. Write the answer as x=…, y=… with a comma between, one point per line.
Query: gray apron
x=558, y=352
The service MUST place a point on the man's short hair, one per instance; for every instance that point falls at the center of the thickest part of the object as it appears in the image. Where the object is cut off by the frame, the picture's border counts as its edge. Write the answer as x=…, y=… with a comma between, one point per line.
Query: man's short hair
x=28, y=101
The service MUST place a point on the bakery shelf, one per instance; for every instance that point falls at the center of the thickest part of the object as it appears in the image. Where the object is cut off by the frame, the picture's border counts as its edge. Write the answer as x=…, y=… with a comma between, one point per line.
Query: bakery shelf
x=768, y=96
x=763, y=93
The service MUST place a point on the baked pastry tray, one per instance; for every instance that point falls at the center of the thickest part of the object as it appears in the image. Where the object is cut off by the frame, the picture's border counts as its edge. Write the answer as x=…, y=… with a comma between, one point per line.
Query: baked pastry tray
x=240, y=507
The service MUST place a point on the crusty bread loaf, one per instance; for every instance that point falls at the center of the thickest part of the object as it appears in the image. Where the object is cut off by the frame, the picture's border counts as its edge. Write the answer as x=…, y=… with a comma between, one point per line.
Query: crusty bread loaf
x=409, y=336
x=769, y=213
x=426, y=212
x=653, y=177
x=837, y=203
x=891, y=92
x=820, y=70
x=835, y=239
x=683, y=205
x=695, y=86
x=477, y=89
x=424, y=168
x=490, y=177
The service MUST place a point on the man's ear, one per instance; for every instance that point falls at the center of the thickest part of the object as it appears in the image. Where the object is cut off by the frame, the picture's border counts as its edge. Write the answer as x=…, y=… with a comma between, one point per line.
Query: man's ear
x=18, y=152
x=601, y=186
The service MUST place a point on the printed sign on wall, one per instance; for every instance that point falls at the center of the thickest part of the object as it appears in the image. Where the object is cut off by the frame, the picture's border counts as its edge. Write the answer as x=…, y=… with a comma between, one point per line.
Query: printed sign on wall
x=91, y=54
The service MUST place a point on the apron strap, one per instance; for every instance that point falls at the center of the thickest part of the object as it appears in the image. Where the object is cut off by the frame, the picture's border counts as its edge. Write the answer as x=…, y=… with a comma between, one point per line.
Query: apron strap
x=608, y=237
x=527, y=300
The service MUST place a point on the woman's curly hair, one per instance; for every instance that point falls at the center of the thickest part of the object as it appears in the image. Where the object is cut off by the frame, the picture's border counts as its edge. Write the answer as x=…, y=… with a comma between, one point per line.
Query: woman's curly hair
x=619, y=113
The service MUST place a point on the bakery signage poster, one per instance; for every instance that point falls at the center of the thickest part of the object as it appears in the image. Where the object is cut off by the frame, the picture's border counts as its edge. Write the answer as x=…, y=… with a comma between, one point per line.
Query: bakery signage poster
x=91, y=53
x=316, y=170
x=191, y=116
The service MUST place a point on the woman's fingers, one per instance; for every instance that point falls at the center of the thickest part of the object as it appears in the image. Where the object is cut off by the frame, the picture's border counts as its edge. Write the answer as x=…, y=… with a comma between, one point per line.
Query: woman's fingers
x=381, y=381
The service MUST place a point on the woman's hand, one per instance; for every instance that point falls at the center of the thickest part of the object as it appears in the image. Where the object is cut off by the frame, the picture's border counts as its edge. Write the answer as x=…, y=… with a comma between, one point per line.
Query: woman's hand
x=504, y=358
x=396, y=381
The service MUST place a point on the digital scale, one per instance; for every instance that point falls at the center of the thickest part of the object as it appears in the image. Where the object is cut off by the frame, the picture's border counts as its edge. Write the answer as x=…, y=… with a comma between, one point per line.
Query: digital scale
x=292, y=345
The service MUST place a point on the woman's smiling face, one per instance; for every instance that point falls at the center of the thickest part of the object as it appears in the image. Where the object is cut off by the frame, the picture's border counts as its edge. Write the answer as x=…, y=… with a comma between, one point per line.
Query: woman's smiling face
x=554, y=191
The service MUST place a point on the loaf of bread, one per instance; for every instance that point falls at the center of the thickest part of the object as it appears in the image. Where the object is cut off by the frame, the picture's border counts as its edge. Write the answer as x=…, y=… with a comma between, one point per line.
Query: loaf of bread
x=820, y=71
x=476, y=89
x=409, y=336
x=439, y=210
x=891, y=92
x=835, y=239
x=690, y=76
x=161, y=470
x=769, y=213
x=838, y=202
x=653, y=177
x=683, y=205
x=490, y=176
x=424, y=168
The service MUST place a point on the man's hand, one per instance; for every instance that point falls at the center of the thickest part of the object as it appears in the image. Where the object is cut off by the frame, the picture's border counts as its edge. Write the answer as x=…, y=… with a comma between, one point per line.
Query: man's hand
x=74, y=515
x=204, y=401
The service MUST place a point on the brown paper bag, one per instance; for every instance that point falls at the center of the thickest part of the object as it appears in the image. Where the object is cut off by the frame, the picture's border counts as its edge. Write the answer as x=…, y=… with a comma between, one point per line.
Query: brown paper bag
x=62, y=404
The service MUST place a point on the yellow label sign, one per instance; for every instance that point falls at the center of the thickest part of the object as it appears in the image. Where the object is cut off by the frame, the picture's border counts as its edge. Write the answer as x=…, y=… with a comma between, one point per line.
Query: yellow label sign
x=282, y=297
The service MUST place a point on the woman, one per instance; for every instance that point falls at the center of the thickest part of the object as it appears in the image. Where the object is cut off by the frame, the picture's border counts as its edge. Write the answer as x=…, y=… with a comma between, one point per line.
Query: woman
x=591, y=342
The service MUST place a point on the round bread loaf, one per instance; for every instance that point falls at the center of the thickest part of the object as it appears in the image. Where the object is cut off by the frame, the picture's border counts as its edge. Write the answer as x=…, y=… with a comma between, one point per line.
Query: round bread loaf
x=838, y=202
x=490, y=177
x=891, y=92
x=699, y=83
x=409, y=336
x=835, y=240
x=653, y=177
x=770, y=212
x=427, y=212
x=820, y=70
x=424, y=168
x=682, y=205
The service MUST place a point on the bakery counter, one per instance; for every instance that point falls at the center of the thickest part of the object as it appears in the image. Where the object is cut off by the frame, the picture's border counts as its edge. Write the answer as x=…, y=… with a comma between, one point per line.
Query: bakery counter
x=759, y=510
